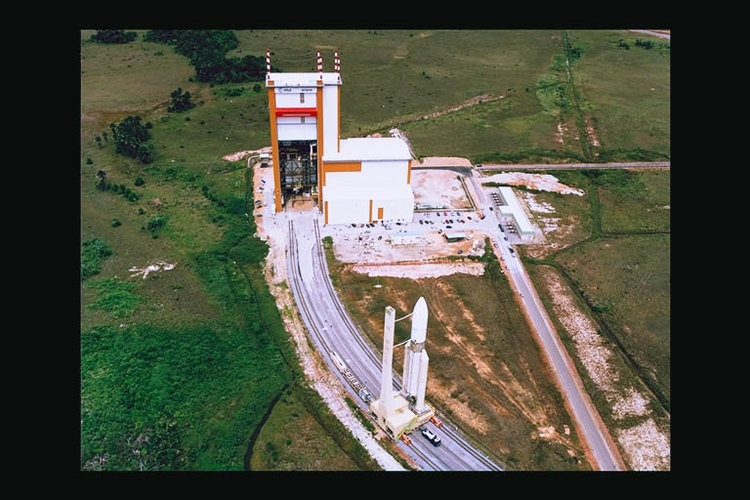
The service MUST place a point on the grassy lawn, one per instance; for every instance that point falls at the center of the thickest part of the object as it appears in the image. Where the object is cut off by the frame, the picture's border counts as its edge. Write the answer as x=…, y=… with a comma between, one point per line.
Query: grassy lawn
x=293, y=440
x=177, y=369
x=626, y=91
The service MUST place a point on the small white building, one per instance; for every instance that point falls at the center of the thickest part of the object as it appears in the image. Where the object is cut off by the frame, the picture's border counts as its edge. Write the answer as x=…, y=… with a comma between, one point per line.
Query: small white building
x=405, y=238
x=455, y=236
x=515, y=211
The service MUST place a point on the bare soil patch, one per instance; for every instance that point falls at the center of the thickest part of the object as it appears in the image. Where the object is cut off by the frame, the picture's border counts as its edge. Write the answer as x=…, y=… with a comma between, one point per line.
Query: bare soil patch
x=442, y=161
x=539, y=182
x=442, y=188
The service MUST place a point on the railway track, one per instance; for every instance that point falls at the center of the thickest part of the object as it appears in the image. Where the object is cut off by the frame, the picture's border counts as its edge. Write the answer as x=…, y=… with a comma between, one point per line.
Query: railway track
x=328, y=349
x=300, y=295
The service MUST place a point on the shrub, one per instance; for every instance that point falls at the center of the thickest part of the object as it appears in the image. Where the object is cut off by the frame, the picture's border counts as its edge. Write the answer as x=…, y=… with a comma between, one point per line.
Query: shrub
x=155, y=224
x=116, y=297
x=94, y=251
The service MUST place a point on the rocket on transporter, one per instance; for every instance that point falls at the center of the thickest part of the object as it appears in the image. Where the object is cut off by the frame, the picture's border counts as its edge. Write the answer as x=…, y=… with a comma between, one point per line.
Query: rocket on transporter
x=416, y=359
x=401, y=412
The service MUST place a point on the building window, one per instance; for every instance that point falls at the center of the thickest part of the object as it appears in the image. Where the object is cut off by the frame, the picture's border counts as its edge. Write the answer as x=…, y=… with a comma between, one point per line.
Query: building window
x=301, y=97
x=302, y=119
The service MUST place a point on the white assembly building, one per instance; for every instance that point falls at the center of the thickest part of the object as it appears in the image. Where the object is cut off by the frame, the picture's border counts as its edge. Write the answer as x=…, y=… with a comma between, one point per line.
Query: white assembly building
x=355, y=180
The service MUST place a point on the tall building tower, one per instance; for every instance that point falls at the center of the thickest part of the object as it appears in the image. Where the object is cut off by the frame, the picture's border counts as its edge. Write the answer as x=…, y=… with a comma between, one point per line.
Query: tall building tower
x=363, y=179
x=304, y=116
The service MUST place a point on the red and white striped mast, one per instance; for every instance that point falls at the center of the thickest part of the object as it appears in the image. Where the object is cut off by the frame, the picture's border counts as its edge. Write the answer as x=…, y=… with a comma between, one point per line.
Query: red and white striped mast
x=320, y=64
x=268, y=64
x=337, y=64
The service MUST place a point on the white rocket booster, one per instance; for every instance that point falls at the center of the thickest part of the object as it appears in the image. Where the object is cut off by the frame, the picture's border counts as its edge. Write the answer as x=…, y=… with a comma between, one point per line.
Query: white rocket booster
x=415, y=357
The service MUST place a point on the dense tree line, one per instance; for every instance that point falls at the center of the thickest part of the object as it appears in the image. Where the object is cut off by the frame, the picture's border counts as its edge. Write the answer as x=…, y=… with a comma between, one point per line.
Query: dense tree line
x=113, y=36
x=206, y=50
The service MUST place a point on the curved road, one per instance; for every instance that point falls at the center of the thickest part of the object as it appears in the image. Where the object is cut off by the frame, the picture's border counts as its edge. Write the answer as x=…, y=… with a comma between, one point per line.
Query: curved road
x=590, y=426
x=333, y=331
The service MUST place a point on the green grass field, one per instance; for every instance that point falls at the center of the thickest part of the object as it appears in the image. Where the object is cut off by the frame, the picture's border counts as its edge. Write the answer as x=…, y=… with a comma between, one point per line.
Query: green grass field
x=178, y=369
x=145, y=339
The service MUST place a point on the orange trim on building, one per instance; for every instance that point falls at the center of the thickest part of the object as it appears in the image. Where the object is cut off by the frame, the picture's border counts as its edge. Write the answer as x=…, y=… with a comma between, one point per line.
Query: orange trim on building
x=274, y=148
x=325, y=214
x=408, y=174
x=343, y=166
x=370, y=210
x=380, y=213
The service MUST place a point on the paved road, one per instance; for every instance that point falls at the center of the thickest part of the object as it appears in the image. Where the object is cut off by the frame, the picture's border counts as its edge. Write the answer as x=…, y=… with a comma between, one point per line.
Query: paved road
x=571, y=166
x=653, y=33
x=332, y=329
x=584, y=414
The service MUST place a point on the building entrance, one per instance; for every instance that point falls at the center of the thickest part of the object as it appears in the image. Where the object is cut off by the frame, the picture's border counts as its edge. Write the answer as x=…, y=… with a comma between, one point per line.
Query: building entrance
x=298, y=173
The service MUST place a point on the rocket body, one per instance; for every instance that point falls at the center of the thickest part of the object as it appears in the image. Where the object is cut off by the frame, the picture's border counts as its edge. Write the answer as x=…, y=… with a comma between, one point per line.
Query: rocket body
x=415, y=357
x=419, y=322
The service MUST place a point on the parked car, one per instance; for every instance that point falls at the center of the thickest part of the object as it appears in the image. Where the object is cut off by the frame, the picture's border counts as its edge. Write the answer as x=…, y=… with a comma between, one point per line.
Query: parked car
x=431, y=437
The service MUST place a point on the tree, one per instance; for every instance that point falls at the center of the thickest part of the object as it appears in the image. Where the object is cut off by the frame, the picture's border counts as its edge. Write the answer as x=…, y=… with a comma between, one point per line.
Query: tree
x=180, y=101
x=101, y=180
x=131, y=139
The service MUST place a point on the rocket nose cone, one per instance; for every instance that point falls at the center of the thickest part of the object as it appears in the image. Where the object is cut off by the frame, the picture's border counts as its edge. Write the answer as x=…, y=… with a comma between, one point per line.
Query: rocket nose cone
x=419, y=321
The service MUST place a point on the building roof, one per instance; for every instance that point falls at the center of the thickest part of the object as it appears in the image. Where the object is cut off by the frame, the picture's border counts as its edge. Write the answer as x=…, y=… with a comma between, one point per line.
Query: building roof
x=405, y=235
x=455, y=236
x=514, y=209
x=370, y=149
x=303, y=79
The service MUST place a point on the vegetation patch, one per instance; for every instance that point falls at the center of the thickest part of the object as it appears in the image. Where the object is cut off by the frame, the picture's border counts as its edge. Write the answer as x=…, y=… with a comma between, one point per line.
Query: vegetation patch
x=115, y=296
x=172, y=399
x=206, y=50
x=94, y=251
x=131, y=139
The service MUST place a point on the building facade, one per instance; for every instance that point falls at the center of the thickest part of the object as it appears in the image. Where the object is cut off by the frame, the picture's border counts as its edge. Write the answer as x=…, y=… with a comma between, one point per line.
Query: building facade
x=353, y=180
